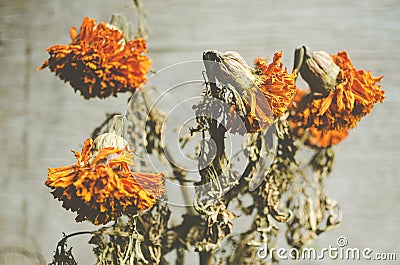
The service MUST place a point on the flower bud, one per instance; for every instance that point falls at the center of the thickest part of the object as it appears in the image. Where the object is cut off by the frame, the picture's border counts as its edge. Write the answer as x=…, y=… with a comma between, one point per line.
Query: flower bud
x=112, y=138
x=318, y=69
x=230, y=68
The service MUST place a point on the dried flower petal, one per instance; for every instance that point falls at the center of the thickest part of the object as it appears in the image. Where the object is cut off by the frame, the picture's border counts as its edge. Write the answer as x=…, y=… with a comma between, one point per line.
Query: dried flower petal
x=324, y=139
x=101, y=188
x=277, y=85
x=269, y=98
x=99, y=62
x=311, y=136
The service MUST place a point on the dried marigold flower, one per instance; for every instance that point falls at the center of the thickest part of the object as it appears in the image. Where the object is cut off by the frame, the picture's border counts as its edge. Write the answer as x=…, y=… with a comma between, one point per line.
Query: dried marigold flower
x=263, y=93
x=99, y=62
x=100, y=186
x=354, y=96
x=311, y=136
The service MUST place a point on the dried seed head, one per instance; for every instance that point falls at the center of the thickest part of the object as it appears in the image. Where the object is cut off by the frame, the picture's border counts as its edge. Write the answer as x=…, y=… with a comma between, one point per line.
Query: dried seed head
x=318, y=69
x=230, y=68
x=113, y=138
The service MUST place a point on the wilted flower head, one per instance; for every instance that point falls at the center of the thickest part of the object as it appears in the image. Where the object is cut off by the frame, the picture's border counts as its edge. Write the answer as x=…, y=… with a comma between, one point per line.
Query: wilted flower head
x=263, y=93
x=353, y=97
x=99, y=62
x=100, y=186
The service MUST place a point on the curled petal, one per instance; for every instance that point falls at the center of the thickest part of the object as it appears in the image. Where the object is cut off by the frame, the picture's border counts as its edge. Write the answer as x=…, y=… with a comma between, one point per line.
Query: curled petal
x=304, y=127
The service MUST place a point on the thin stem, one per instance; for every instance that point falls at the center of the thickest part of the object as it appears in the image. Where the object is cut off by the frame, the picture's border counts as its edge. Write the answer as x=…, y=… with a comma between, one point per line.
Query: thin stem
x=180, y=256
x=141, y=30
x=75, y=234
x=180, y=176
x=206, y=258
x=178, y=172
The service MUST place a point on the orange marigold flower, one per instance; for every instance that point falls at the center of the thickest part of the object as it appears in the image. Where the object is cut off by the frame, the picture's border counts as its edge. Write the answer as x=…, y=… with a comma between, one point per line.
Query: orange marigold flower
x=311, y=136
x=269, y=99
x=260, y=95
x=100, y=187
x=354, y=96
x=99, y=62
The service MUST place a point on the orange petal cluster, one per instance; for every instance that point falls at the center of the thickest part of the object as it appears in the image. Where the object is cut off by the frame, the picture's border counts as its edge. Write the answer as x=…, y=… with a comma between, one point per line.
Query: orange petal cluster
x=325, y=138
x=99, y=62
x=100, y=187
x=311, y=136
x=275, y=86
x=354, y=96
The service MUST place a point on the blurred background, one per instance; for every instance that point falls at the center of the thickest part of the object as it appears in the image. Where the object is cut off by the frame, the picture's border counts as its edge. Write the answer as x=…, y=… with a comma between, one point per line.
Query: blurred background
x=42, y=118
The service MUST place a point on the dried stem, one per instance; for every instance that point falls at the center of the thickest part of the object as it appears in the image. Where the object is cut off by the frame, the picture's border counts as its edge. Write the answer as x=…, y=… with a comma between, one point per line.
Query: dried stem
x=178, y=172
x=206, y=258
x=141, y=30
x=62, y=241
